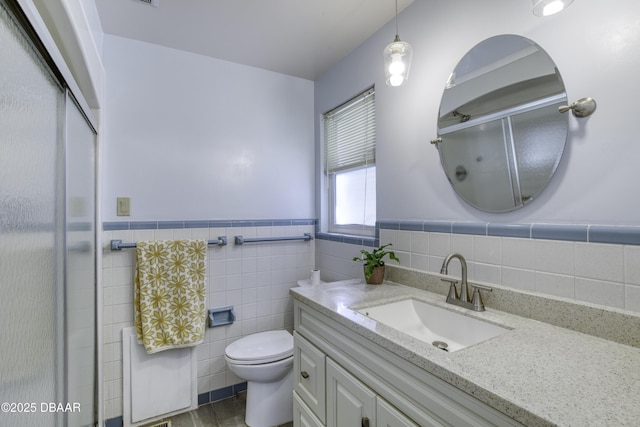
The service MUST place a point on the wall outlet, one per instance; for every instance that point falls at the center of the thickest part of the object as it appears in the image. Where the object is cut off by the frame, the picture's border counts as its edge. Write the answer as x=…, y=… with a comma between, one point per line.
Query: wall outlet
x=124, y=206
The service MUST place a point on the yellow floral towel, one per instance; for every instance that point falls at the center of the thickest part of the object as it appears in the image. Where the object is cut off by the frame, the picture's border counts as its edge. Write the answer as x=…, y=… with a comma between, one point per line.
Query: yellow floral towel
x=169, y=293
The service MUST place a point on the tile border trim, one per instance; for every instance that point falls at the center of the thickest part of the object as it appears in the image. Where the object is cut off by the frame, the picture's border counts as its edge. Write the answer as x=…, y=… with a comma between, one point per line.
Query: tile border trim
x=160, y=225
x=221, y=393
x=614, y=234
x=114, y=422
x=346, y=238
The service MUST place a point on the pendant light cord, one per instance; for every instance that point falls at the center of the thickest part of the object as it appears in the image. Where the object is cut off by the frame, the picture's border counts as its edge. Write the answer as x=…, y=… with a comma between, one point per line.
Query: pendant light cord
x=396, y=18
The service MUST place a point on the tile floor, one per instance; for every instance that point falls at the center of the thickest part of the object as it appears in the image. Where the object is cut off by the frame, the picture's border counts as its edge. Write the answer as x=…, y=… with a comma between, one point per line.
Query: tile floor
x=224, y=413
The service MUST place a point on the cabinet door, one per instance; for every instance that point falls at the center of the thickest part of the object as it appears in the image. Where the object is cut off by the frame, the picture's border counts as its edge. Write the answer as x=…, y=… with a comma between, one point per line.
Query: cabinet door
x=309, y=375
x=388, y=416
x=349, y=402
x=302, y=415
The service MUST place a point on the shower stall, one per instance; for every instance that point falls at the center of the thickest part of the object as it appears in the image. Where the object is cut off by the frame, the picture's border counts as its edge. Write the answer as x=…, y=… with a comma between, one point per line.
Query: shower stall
x=48, y=273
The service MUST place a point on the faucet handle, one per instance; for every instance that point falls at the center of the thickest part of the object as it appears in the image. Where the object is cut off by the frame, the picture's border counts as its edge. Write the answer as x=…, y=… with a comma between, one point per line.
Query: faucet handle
x=453, y=292
x=478, y=305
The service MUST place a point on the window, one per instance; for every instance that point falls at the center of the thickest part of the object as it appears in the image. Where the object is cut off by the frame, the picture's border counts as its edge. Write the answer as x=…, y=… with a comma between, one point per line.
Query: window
x=350, y=144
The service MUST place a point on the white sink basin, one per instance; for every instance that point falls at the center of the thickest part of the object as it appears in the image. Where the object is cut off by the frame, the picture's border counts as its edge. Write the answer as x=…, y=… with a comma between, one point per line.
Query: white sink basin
x=434, y=325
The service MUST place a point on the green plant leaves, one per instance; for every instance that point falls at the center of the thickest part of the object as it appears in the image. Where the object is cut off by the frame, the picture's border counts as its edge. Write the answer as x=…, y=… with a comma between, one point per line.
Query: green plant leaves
x=374, y=258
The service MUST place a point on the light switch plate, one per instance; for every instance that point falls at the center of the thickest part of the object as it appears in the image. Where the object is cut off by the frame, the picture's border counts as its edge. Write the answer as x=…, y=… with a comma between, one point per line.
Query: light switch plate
x=124, y=206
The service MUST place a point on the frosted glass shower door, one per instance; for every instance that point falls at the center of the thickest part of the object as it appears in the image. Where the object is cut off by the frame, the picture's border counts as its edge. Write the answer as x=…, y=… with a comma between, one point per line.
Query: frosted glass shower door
x=80, y=295
x=31, y=231
x=47, y=240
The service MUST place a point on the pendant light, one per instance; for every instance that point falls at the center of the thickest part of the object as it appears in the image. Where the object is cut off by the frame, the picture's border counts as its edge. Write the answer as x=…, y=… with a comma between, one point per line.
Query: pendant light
x=397, y=59
x=549, y=7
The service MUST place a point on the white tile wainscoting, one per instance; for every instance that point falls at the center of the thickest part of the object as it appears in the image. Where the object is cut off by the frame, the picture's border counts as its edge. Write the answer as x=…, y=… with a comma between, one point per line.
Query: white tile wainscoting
x=560, y=261
x=254, y=278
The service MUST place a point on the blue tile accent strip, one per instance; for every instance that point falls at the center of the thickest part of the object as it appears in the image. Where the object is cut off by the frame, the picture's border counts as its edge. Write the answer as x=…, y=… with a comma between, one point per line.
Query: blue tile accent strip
x=245, y=223
x=388, y=225
x=240, y=387
x=509, y=230
x=438, y=226
x=303, y=222
x=160, y=225
x=469, y=228
x=112, y=226
x=196, y=224
x=164, y=225
x=204, y=398
x=623, y=234
x=221, y=393
x=220, y=224
x=627, y=235
x=575, y=233
x=114, y=422
x=614, y=234
x=144, y=225
x=412, y=225
x=225, y=392
x=354, y=240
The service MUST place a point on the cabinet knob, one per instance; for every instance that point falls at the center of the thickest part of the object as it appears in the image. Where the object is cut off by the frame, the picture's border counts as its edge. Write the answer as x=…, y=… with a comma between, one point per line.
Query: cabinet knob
x=304, y=374
x=365, y=421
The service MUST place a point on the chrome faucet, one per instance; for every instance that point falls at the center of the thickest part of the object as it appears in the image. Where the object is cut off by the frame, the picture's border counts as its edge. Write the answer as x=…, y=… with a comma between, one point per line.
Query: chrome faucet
x=463, y=300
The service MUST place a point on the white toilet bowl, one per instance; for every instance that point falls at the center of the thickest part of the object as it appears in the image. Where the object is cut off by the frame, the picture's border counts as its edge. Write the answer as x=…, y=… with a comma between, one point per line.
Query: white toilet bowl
x=265, y=360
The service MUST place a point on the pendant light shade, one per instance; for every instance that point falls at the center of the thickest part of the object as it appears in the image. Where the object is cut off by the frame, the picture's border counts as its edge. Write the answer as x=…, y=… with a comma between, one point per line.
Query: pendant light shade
x=397, y=62
x=549, y=7
x=397, y=59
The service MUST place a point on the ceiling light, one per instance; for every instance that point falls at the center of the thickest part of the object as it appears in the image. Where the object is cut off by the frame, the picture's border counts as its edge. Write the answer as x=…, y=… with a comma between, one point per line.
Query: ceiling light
x=397, y=59
x=549, y=7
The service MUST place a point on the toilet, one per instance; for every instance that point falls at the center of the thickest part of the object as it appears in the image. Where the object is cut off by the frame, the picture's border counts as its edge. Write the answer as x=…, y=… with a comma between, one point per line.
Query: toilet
x=265, y=360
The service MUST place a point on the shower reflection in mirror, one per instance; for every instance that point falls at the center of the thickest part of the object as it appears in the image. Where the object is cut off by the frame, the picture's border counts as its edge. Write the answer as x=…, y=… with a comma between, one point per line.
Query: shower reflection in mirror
x=500, y=135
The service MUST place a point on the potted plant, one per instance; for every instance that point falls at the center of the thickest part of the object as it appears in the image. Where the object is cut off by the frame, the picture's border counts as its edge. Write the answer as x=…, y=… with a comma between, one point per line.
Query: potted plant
x=374, y=264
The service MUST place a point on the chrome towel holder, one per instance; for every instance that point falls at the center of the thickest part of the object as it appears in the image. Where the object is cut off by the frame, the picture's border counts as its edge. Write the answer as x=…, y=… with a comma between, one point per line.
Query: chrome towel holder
x=117, y=245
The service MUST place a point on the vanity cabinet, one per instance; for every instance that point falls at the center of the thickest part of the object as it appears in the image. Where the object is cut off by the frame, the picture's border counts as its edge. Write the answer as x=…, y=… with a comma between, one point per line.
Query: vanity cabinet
x=309, y=376
x=351, y=403
x=342, y=379
x=348, y=401
x=302, y=415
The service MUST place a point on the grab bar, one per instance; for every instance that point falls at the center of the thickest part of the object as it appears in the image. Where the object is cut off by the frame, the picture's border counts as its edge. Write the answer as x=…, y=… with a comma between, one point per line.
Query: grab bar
x=117, y=245
x=239, y=240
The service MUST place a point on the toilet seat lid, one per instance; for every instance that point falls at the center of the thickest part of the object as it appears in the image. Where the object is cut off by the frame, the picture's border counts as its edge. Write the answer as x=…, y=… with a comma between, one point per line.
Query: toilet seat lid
x=262, y=347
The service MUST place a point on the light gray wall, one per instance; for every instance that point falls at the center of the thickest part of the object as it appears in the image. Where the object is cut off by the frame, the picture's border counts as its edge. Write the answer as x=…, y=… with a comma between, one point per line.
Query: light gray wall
x=594, y=46
x=189, y=137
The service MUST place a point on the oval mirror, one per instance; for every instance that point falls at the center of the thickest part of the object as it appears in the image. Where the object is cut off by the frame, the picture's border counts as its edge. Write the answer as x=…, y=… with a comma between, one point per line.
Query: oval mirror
x=500, y=134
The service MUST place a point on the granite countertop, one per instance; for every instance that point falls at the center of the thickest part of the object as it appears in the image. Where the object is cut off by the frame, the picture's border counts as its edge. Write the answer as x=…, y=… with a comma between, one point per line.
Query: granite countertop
x=536, y=373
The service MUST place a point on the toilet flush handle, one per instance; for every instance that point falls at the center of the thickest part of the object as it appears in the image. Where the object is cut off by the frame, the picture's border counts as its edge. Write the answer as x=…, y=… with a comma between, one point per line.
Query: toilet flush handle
x=304, y=374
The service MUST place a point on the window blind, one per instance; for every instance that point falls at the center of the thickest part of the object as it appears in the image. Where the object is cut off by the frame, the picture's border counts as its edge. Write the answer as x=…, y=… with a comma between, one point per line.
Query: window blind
x=350, y=133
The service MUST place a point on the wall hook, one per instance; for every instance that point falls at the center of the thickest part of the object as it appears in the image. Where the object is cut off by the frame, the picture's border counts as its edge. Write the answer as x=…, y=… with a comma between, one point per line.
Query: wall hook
x=581, y=108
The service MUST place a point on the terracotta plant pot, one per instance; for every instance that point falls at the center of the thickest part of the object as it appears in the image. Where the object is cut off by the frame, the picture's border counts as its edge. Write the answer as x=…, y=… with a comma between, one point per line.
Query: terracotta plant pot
x=377, y=276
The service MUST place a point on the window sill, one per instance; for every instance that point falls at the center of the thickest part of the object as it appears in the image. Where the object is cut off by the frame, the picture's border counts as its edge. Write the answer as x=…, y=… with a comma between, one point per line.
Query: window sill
x=349, y=238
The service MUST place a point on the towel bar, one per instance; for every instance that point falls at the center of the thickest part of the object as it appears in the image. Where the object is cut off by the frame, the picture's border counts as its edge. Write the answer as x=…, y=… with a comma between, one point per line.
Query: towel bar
x=239, y=240
x=117, y=245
